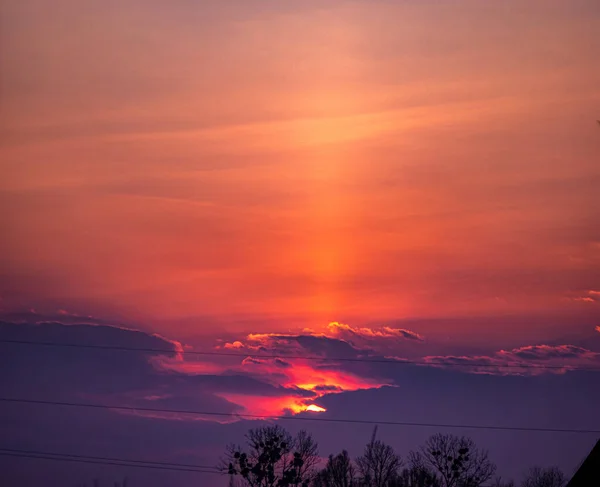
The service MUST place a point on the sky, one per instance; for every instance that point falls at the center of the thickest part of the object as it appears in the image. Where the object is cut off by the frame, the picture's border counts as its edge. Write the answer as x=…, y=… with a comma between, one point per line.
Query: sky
x=362, y=179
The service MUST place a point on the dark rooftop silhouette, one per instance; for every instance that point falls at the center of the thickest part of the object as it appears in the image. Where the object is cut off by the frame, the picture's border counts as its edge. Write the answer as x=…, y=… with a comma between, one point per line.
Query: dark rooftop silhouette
x=588, y=474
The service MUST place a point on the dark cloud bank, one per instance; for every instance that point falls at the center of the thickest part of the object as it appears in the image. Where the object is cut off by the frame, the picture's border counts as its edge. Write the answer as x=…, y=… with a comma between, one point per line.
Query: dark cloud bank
x=570, y=399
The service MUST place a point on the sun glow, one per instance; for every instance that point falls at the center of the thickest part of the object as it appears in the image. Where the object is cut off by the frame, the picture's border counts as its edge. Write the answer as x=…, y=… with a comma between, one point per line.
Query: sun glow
x=316, y=409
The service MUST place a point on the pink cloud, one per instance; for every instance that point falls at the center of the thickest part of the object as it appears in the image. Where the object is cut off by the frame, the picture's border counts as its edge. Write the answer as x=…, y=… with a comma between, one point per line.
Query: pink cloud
x=268, y=406
x=156, y=397
x=304, y=381
x=591, y=296
x=253, y=361
x=307, y=375
x=334, y=340
x=189, y=367
x=264, y=342
x=177, y=346
x=276, y=362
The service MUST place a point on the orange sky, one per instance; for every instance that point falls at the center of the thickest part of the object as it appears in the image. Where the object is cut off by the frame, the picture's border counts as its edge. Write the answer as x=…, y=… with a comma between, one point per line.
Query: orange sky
x=306, y=162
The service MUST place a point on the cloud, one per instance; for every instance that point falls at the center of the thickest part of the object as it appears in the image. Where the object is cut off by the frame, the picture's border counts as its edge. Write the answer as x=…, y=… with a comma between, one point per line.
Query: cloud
x=597, y=329
x=590, y=296
x=113, y=377
x=164, y=379
x=312, y=374
x=326, y=377
x=330, y=347
x=273, y=386
x=276, y=362
x=265, y=342
x=585, y=299
x=303, y=344
x=547, y=352
x=336, y=340
x=253, y=361
x=249, y=384
x=327, y=388
x=527, y=360
x=349, y=332
x=282, y=363
x=309, y=376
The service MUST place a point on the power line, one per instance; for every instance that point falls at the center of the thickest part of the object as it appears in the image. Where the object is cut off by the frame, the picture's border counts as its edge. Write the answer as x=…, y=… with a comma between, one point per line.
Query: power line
x=55, y=458
x=94, y=462
x=42, y=457
x=299, y=357
x=298, y=418
x=109, y=459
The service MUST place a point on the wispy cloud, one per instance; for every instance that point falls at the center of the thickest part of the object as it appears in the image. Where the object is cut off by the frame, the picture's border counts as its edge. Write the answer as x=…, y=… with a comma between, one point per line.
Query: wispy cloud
x=527, y=360
x=349, y=332
x=590, y=296
x=584, y=299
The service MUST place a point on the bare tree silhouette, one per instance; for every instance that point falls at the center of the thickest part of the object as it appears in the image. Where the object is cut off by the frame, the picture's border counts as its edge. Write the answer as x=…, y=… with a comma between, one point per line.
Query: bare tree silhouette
x=498, y=482
x=308, y=450
x=339, y=472
x=273, y=458
x=379, y=464
x=544, y=477
x=458, y=461
x=418, y=473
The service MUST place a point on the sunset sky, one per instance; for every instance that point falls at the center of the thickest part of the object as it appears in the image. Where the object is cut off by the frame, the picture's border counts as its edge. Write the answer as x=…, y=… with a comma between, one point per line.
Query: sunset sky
x=327, y=179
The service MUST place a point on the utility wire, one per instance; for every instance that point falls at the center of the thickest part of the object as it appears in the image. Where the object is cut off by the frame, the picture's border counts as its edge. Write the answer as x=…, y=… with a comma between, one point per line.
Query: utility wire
x=298, y=357
x=108, y=459
x=42, y=457
x=103, y=462
x=297, y=418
